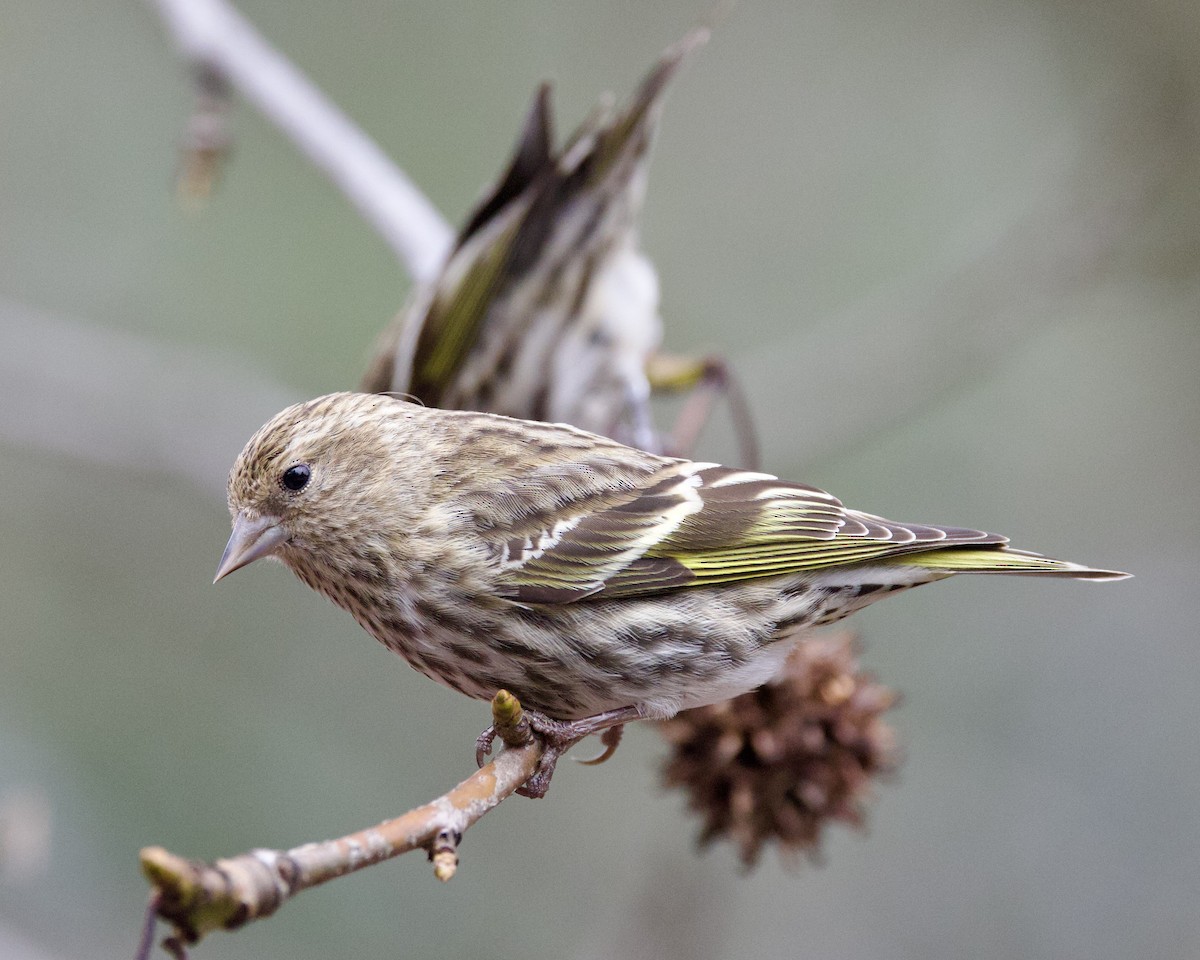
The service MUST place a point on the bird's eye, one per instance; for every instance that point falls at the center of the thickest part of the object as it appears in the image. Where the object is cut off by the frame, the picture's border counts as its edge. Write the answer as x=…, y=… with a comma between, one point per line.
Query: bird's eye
x=295, y=477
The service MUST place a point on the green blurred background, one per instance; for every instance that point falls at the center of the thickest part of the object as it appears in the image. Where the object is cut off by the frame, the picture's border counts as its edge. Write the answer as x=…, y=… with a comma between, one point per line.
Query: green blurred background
x=953, y=250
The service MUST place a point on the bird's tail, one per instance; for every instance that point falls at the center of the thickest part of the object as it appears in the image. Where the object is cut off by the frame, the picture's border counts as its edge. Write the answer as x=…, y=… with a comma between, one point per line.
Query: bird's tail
x=1001, y=560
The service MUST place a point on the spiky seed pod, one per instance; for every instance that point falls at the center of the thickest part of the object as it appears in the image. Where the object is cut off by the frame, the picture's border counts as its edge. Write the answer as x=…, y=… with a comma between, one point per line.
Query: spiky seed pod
x=547, y=309
x=775, y=765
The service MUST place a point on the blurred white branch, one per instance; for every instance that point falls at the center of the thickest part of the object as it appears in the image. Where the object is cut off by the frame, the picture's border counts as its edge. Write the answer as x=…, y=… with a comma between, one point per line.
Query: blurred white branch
x=113, y=397
x=216, y=38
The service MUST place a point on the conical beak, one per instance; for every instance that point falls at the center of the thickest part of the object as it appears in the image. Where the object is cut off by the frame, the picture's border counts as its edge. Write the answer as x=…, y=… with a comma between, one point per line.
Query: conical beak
x=252, y=538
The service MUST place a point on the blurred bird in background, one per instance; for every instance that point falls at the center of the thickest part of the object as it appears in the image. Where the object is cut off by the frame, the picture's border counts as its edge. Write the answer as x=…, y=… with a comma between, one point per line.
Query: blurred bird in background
x=547, y=309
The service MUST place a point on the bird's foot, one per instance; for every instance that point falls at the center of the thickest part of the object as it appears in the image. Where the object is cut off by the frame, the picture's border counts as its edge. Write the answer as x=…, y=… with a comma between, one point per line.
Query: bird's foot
x=611, y=739
x=483, y=745
x=558, y=736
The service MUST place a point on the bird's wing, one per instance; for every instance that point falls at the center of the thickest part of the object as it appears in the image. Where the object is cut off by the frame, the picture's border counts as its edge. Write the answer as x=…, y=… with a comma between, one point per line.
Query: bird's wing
x=695, y=524
x=452, y=312
x=476, y=269
x=547, y=212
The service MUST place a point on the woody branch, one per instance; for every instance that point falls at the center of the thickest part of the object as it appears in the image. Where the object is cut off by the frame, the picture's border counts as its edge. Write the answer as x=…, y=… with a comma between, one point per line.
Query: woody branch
x=196, y=897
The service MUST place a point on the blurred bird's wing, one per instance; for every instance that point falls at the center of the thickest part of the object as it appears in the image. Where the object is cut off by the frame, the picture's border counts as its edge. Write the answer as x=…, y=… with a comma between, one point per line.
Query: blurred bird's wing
x=526, y=261
x=481, y=264
x=700, y=524
x=439, y=329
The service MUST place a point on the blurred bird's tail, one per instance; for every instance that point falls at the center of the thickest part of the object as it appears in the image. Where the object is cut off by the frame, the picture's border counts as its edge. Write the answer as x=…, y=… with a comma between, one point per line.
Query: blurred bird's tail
x=1001, y=560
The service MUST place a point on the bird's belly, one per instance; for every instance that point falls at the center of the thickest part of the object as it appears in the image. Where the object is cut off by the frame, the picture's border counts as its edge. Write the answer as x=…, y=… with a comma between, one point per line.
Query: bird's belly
x=660, y=653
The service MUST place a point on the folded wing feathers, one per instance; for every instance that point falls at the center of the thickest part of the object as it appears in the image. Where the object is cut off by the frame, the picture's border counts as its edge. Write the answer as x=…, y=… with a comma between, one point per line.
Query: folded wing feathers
x=704, y=524
x=788, y=511
x=603, y=545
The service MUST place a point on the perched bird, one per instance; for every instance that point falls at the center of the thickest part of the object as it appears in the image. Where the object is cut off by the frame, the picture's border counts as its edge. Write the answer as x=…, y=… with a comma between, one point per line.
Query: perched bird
x=597, y=582
x=547, y=308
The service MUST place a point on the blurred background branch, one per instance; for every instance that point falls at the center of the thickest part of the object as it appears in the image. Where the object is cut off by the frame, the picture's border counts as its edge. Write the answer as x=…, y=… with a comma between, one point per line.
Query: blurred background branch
x=103, y=395
x=219, y=41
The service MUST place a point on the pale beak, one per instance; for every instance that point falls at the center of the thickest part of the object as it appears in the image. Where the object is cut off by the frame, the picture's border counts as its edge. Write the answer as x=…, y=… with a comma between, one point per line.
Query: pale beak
x=252, y=538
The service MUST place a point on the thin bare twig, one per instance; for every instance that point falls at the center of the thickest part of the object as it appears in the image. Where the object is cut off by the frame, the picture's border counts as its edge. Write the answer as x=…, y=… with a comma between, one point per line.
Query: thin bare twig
x=197, y=897
x=218, y=39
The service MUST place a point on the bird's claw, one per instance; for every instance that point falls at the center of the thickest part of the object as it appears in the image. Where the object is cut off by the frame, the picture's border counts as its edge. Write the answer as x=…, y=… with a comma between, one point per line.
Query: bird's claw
x=483, y=746
x=611, y=739
x=559, y=736
x=536, y=786
x=554, y=747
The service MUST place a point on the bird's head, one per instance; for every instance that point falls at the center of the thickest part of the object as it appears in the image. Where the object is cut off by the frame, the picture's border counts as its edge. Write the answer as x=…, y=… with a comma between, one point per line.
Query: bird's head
x=307, y=480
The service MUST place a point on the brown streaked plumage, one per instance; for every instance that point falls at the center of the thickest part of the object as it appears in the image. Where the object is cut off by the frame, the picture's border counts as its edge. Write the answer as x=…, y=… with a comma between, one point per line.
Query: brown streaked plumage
x=580, y=574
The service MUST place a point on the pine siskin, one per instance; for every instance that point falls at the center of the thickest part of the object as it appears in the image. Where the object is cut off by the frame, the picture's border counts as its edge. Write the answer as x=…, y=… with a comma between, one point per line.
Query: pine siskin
x=547, y=308
x=598, y=583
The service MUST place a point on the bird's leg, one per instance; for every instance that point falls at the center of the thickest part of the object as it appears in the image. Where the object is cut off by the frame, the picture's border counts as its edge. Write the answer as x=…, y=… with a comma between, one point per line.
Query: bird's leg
x=703, y=379
x=558, y=736
x=611, y=739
